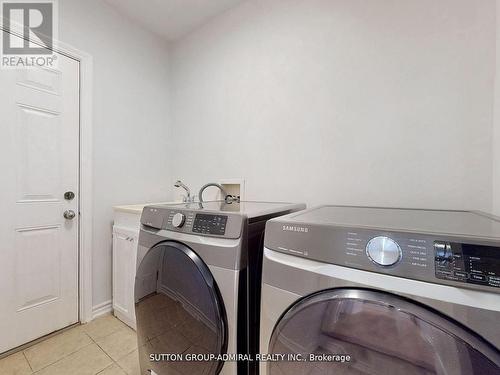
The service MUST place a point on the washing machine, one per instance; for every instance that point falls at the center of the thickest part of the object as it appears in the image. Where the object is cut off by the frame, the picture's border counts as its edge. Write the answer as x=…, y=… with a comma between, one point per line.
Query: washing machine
x=198, y=283
x=362, y=290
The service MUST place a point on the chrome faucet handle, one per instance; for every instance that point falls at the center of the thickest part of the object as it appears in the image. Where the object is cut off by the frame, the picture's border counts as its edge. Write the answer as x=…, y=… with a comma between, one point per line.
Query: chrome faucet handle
x=185, y=198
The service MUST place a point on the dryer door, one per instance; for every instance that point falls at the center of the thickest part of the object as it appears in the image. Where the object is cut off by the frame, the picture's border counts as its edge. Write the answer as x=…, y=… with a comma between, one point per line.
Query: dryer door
x=355, y=331
x=179, y=312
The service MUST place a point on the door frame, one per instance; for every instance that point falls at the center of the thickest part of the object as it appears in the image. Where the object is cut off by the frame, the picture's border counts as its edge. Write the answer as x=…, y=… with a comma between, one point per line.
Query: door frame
x=85, y=236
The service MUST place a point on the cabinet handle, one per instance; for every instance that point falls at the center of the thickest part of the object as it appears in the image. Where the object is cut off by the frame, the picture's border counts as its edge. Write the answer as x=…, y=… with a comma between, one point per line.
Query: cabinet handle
x=128, y=238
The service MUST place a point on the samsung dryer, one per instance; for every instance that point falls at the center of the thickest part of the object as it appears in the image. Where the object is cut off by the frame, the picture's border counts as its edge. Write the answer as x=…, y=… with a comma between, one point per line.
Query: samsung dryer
x=360, y=290
x=195, y=298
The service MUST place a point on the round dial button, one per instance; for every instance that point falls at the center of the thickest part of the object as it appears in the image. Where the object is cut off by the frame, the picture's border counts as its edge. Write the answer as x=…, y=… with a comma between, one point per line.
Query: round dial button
x=383, y=251
x=178, y=220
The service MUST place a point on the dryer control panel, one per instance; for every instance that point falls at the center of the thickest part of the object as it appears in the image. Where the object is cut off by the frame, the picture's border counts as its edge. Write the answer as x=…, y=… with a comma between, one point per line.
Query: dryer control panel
x=458, y=248
x=441, y=260
x=466, y=263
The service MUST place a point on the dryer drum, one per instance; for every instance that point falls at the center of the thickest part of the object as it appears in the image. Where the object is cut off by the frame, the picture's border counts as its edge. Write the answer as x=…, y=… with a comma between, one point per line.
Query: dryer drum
x=359, y=331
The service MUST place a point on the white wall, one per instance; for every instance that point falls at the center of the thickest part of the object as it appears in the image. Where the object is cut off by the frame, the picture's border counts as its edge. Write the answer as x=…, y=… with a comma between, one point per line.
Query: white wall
x=383, y=102
x=348, y=102
x=496, y=125
x=131, y=118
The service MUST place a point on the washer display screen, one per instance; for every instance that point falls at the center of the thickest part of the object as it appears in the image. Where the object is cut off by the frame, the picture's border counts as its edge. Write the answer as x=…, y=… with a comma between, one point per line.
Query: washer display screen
x=210, y=224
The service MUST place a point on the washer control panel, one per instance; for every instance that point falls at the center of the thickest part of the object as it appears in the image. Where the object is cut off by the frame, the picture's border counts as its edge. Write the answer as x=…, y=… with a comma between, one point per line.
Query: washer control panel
x=466, y=263
x=178, y=220
x=210, y=224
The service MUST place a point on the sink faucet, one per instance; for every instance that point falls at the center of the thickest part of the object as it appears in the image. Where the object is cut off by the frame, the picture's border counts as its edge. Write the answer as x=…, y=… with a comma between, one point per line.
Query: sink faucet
x=185, y=198
x=200, y=194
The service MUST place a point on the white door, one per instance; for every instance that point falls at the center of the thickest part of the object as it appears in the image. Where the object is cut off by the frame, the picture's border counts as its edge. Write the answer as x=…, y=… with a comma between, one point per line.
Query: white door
x=39, y=161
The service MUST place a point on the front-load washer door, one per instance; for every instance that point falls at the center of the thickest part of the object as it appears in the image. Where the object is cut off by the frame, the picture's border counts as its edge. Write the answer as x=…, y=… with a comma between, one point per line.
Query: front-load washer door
x=180, y=313
x=357, y=331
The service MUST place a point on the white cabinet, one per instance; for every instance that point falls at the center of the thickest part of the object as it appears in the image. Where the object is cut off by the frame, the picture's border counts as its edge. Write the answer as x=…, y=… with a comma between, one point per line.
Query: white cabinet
x=127, y=222
x=124, y=265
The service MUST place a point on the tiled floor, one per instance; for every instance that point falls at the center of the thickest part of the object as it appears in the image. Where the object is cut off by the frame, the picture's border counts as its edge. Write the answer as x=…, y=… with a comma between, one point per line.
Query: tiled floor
x=105, y=346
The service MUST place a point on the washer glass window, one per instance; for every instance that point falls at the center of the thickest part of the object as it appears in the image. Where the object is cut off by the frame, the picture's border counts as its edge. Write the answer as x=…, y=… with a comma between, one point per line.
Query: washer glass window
x=351, y=331
x=179, y=311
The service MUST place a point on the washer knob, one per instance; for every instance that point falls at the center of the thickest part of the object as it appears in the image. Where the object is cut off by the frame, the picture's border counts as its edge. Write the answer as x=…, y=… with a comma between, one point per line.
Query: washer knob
x=178, y=220
x=383, y=251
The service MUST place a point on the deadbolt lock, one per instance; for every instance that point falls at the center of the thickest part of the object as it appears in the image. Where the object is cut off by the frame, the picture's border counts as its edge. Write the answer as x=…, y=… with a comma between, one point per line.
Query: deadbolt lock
x=69, y=195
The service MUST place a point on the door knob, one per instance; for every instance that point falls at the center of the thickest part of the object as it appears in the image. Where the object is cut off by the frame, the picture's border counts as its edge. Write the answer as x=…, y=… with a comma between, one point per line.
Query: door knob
x=69, y=195
x=69, y=214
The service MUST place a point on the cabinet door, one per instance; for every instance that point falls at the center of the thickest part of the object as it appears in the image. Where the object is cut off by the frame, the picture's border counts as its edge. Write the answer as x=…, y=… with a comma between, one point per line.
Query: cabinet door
x=124, y=259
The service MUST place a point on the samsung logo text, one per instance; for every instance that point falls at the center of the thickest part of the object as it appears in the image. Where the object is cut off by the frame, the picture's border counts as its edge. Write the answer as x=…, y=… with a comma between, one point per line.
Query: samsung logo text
x=291, y=228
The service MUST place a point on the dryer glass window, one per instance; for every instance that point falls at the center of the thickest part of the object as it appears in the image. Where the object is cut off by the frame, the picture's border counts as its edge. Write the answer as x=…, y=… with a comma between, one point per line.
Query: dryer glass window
x=350, y=331
x=179, y=311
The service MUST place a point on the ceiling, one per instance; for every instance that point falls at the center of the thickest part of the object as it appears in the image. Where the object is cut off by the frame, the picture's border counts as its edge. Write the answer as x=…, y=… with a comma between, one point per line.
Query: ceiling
x=171, y=19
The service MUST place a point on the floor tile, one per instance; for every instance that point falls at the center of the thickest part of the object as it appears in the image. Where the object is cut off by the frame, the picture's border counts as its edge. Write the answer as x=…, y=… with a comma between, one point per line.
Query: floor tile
x=119, y=343
x=130, y=363
x=194, y=367
x=56, y=348
x=87, y=361
x=15, y=364
x=102, y=326
x=114, y=369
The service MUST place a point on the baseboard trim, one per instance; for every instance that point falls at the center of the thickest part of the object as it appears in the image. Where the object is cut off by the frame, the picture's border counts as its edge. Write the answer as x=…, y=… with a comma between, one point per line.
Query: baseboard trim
x=102, y=309
x=36, y=341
